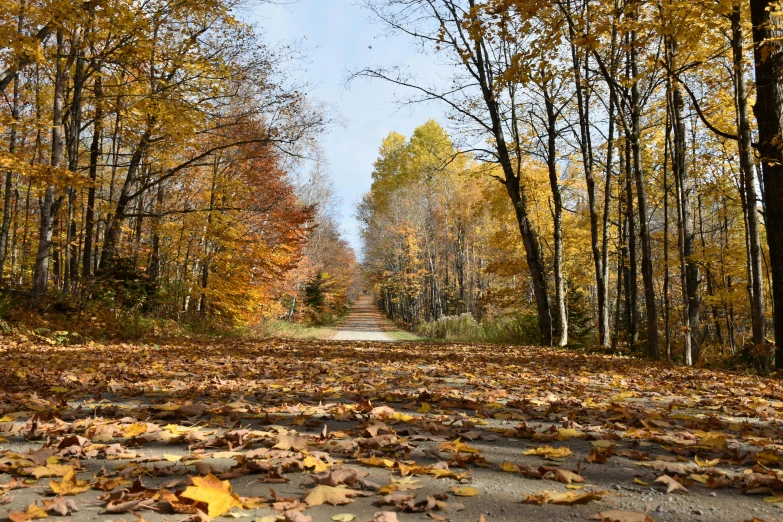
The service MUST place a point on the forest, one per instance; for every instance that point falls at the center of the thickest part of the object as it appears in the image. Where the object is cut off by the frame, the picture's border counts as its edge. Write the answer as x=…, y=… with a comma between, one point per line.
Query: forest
x=153, y=167
x=559, y=295
x=613, y=176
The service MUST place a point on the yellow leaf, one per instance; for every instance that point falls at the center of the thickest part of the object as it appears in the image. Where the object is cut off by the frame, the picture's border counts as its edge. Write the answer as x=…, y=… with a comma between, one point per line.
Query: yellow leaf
x=135, y=429
x=713, y=439
x=403, y=417
x=33, y=512
x=566, y=499
x=509, y=467
x=69, y=485
x=51, y=470
x=550, y=452
x=343, y=517
x=172, y=458
x=706, y=463
x=567, y=434
x=314, y=462
x=213, y=492
x=425, y=408
x=464, y=492
x=458, y=446
x=376, y=462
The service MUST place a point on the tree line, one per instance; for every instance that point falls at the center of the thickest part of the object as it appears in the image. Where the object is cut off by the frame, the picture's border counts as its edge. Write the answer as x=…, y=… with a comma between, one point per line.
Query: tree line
x=154, y=161
x=656, y=176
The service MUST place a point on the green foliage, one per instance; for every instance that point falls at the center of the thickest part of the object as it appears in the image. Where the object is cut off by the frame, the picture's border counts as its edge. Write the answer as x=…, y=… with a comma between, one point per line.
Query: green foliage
x=289, y=330
x=521, y=329
x=581, y=320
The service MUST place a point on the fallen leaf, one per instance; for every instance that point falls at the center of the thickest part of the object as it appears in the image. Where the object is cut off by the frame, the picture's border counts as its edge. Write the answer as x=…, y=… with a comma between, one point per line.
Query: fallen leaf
x=464, y=491
x=213, y=492
x=670, y=483
x=549, y=452
x=33, y=512
x=328, y=495
x=343, y=517
x=61, y=506
x=566, y=499
x=621, y=516
x=69, y=485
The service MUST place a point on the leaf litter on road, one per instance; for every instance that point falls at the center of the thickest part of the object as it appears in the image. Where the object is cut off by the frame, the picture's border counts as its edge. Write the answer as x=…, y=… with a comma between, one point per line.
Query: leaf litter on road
x=107, y=420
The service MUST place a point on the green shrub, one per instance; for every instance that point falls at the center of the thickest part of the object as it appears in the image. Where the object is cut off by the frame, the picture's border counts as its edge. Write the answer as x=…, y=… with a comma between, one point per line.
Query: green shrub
x=519, y=329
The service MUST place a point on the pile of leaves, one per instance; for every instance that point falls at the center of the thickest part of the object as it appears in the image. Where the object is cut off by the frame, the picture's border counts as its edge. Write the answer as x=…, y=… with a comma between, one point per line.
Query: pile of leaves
x=178, y=430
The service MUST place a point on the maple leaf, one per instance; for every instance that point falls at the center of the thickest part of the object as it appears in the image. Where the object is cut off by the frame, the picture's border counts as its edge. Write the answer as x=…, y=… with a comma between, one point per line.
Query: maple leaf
x=464, y=491
x=33, y=512
x=51, y=470
x=458, y=446
x=566, y=499
x=328, y=495
x=213, y=492
x=567, y=477
x=60, y=506
x=510, y=467
x=315, y=463
x=288, y=442
x=376, y=462
x=568, y=433
x=549, y=452
x=670, y=483
x=69, y=485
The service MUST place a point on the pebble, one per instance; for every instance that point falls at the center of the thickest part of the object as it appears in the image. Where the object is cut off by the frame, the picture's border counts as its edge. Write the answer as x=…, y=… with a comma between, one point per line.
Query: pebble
x=698, y=512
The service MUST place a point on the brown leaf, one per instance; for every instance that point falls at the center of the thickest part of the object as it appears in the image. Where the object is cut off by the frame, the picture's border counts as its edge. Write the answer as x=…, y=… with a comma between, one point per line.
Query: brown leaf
x=671, y=484
x=621, y=516
x=329, y=495
x=567, y=499
x=60, y=506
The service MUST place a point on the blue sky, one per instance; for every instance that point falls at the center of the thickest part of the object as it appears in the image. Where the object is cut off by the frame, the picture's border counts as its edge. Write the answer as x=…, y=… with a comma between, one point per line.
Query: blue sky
x=337, y=35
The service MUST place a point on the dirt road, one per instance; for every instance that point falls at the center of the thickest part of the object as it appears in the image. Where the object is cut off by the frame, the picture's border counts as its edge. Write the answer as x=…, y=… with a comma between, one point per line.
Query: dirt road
x=365, y=323
x=132, y=431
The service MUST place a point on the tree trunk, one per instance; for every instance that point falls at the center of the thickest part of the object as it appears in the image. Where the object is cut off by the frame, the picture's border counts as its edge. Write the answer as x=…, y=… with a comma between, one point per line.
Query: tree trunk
x=112, y=234
x=768, y=37
x=557, y=218
x=631, y=279
x=49, y=206
x=748, y=179
x=691, y=279
x=641, y=194
x=95, y=155
x=9, y=178
x=586, y=148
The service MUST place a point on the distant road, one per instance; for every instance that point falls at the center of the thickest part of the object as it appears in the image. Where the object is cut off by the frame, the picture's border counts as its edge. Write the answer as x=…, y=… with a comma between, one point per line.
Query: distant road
x=364, y=323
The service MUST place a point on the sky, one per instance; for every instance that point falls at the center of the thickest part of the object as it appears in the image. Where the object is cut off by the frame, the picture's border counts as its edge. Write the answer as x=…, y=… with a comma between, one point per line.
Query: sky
x=339, y=36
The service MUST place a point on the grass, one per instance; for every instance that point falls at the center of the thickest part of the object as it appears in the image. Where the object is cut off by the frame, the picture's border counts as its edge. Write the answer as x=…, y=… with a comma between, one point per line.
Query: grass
x=289, y=330
x=519, y=330
x=403, y=335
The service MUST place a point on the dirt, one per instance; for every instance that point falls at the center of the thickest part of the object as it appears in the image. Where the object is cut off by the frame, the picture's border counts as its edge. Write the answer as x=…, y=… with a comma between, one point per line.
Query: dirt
x=365, y=323
x=499, y=400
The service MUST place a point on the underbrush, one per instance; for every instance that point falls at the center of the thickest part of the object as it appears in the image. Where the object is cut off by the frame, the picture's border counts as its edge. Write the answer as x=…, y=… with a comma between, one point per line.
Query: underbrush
x=290, y=330
x=521, y=329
